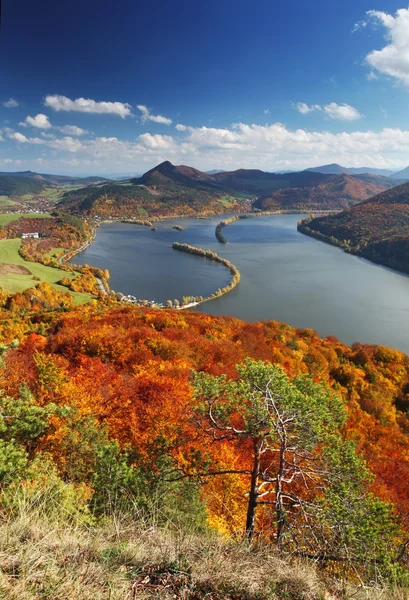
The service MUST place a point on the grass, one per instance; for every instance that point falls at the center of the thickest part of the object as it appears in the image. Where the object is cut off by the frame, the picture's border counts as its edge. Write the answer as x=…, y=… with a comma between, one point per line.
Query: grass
x=55, y=251
x=5, y=202
x=45, y=553
x=225, y=200
x=143, y=212
x=18, y=283
x=5, y=219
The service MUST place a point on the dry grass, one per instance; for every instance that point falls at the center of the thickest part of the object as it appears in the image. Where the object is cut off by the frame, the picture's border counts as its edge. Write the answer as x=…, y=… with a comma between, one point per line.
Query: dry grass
x=127, y=560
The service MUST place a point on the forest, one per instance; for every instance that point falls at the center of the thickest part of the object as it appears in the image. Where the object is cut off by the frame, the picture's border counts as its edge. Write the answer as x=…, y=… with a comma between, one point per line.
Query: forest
x=376, y=229
x=260, y=432
x=18, y=186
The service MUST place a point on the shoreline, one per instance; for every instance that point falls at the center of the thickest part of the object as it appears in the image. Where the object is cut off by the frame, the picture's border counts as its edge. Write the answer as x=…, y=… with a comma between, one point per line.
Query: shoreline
x=198, y=251
x=235, y=280
x=267, y=213
x=303, y=228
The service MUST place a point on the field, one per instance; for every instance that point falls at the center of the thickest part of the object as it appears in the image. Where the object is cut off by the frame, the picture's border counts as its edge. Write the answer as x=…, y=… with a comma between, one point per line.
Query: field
x=226, y=200
x=13, y=282
x=143, y=212
x=5, y=219
x=5, y=202
x=55, y=251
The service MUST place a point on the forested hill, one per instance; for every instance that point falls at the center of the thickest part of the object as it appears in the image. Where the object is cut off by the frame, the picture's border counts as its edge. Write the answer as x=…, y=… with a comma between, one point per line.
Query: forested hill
x=169, y=190
x=377, y=229
x=161, y=192
x=337, y=192
x=113, y=408
x=19, y=186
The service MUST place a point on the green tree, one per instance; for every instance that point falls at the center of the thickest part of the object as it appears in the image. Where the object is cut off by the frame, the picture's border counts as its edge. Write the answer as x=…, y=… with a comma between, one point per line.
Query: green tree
x=300, y=469
x=22, y=424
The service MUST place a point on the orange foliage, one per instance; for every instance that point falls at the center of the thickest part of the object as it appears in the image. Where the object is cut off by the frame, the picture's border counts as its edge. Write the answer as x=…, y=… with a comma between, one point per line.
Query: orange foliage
x=129, y=368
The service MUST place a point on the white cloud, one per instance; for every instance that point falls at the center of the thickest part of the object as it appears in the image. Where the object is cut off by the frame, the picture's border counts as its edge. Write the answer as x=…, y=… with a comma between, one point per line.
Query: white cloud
x=19, y=137
x=267, y=147
x=10, y=103
x=341, y=112
x=67, y=144
x=181, y=127
x=72, y=130
x=393, y=58
x=371, y=76
x=62, y=103
x=40, y=121
x=147, y=116
x=304, y=109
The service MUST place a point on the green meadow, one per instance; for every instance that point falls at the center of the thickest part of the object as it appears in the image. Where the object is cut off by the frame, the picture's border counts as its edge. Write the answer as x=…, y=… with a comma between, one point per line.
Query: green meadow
x=5, y=202
x=5, y=219
x=18, y=283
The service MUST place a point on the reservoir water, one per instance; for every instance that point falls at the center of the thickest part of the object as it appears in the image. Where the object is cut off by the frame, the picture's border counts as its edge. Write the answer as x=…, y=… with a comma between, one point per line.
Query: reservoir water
x=285, y=276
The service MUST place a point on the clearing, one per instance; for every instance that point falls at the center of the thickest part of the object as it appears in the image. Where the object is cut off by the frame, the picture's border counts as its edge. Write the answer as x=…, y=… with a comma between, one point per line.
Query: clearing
x=5, y=219
x=17, y=274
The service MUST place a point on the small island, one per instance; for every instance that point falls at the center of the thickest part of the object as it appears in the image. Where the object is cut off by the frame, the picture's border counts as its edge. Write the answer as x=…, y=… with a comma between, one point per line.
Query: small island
x=178, y=228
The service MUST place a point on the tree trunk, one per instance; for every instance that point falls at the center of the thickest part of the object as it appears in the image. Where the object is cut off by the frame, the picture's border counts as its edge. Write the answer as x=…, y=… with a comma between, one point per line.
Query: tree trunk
x=253, y=496
x=280, y=513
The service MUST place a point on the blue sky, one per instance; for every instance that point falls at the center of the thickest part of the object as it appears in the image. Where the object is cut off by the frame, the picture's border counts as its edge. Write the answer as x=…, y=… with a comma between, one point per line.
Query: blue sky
x=93, y=86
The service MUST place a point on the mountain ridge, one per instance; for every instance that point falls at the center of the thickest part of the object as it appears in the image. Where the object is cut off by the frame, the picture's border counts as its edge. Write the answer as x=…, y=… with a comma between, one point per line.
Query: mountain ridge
x=337, y=169
x=180, y=190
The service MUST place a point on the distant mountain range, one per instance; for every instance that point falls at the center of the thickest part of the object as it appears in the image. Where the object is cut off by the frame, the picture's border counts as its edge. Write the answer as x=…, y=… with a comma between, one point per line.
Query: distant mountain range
x=169, y=190
x=377, y=229
x=335, y=169
x=336, y=192
x=28, y=182
x=404, y=174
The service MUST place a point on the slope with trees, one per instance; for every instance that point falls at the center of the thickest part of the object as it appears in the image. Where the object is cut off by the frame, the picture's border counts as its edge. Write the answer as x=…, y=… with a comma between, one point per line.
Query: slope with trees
x=341, y=191
x=377, y=229
x=168, y=190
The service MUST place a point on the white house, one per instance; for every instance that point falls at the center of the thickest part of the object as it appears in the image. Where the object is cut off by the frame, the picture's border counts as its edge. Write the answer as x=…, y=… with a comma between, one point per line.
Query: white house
x=34, y=235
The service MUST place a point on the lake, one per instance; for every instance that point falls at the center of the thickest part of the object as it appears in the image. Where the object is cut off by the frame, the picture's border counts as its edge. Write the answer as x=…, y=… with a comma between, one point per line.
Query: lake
x=285, y=276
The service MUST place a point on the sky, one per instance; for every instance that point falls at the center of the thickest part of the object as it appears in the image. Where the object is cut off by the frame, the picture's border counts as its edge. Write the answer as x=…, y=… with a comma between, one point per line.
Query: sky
x=109, y=88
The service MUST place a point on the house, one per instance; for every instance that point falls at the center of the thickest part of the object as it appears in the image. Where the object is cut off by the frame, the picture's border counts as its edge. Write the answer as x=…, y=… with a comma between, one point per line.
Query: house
x=34, y=235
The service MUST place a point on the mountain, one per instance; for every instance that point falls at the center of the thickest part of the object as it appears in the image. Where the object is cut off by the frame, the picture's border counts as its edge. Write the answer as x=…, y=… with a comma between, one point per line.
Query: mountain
x=256, y=182
x=166, y=173
x=164, y=191
x=377, y=229
x=404, y=174
x=214, y=171
x=335, y=169
x=339, y=191
x=169, y=190
x=53, y=179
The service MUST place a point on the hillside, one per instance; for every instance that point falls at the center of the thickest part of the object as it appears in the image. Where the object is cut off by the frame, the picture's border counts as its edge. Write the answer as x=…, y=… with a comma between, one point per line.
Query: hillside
x=164, y=191
x=336, y=169
x=404, y=174
x=340, y=191
x=258, y=182
x=377, y=229
x=106, y=414
x=19, y=186
x=169, y=190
